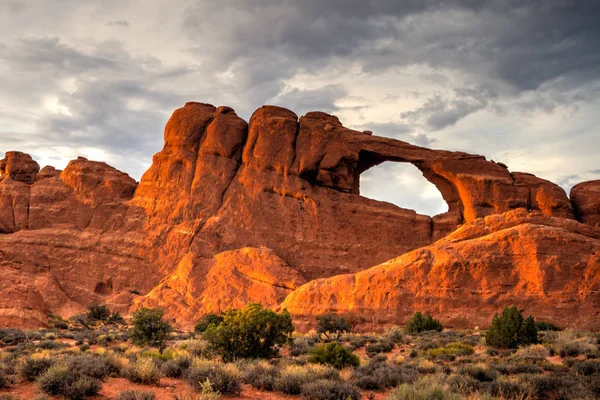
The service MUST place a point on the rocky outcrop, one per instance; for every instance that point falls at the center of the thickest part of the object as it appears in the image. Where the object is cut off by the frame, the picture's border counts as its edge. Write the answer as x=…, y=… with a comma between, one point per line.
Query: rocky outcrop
x=586, y=201
x=549, y=267
x=230, y=212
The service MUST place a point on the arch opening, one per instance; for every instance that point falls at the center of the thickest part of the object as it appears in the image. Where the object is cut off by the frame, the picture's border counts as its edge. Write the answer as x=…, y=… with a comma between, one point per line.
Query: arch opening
x=402, y=184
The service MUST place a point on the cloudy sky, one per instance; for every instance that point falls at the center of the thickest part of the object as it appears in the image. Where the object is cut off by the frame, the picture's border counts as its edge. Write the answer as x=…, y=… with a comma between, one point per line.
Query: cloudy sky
x=516, y=81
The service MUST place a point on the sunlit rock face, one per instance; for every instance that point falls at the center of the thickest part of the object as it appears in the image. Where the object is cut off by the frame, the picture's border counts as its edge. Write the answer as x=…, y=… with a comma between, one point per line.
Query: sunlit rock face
x=548, y=266
x=232, y=212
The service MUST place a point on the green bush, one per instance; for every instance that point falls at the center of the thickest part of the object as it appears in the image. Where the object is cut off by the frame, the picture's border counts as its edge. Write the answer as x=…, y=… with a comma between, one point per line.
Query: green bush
x=222, y=378
x=149, y=327
x=333, y=354
x=135, y=395
x=329, y=390
x=546, y=326
x=332, y=325
x=206, y=321
x=252, y=332
x=98, y=312
x=451, y=349
x=419, y=323
x=510, y=330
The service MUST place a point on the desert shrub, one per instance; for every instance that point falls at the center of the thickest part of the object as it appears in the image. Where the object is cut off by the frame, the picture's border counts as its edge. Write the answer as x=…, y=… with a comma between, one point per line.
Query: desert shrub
x=5, y=380
x=547, y=386
x=332, y=326
x=260, y=375
x=50, y=345
x=587, y=368
x=451, y=349
x=196, y=347
x=34, y=367
x=252, y=332
x=505, y=389
x=419, y=323
x=91, y=365
x=383, y=345
x=11, y=337
x=534, y=352
x=329, y=390
x=144, y=371
x=356, y=342
x=379, y=375
x=462, y=384
x=82, y=387
x=293, y=377
x=516, y=368
x=569, y=343
x=394, y=334
x=98, y=312
x=206, y=321
x=510, y=329
x=176, y=367
x=406, y=392
x=149, y=327
x=223, y=378
x=115, y=319
x=333, y=354
x=299, y=346
x=60, y=380
x=135, y=395
x=480, y=372
x=546, y=326
x=84, y=347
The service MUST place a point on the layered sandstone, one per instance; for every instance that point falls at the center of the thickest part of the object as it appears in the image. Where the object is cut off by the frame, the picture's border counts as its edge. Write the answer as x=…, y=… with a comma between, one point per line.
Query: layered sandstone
x=548, y=267
x=586, y=201
x=232, y=212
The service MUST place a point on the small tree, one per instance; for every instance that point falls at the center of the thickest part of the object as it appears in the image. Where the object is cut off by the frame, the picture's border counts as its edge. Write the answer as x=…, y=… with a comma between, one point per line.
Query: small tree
x=511, y=330
x=98, y=312
x=149, y=327
x=252, y=332
x=208, y=319
x=332, y=325
x=419, y=323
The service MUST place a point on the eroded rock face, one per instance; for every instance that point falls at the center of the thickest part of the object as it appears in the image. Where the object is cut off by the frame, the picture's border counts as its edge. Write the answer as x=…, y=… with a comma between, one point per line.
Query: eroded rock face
x=548, y=267
x=232, y=212
x=586, y=201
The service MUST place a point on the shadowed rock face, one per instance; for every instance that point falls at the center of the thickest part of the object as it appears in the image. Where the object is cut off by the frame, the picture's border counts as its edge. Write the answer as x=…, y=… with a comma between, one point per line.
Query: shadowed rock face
x=230, y=212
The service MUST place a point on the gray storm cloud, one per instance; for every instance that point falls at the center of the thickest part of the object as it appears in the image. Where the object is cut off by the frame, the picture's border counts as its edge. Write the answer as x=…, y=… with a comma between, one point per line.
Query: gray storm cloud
x=516, y=81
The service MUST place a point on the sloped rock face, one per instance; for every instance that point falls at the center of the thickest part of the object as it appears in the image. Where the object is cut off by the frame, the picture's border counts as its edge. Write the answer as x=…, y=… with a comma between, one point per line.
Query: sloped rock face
x=229, y=212
x=586, y=201
x=548, y=267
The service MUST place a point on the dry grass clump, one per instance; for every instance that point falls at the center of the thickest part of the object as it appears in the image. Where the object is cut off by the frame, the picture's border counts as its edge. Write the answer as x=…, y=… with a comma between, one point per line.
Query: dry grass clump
x=144, y=371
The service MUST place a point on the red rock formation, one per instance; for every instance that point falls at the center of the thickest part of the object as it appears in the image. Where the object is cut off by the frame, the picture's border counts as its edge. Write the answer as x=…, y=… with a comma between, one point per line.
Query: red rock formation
x=549, y=267
x=229, y=212
x=586, y=201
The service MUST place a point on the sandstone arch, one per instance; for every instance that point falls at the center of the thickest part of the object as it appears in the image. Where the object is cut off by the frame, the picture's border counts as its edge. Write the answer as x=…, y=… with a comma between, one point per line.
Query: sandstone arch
x=221, y=184
x=402, y=184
